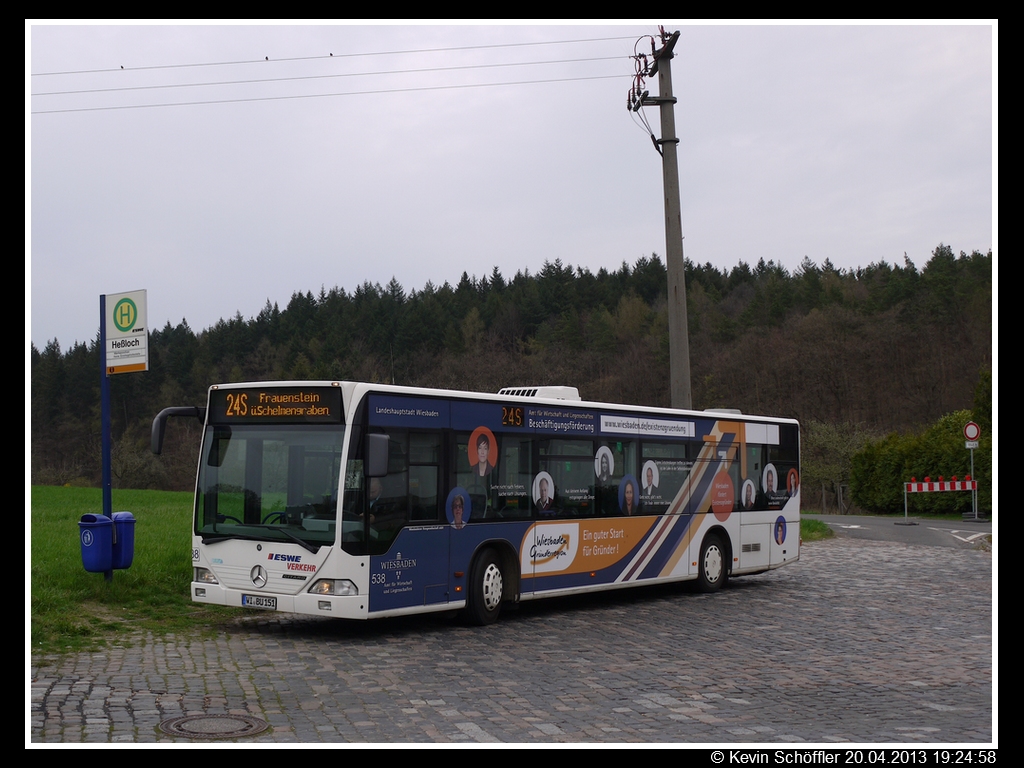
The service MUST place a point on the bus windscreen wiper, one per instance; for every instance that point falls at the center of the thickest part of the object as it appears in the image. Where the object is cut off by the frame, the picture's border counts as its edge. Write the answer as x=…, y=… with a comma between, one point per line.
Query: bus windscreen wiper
x=215, y=537
x=301, y=542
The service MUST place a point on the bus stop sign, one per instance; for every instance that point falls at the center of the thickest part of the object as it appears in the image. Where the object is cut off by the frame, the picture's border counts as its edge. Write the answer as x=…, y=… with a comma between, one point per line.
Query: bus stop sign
x=127, y=348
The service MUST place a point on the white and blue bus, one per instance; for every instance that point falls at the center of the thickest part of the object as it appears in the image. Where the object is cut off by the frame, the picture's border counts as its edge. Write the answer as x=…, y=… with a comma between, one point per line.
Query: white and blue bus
x=358, y=500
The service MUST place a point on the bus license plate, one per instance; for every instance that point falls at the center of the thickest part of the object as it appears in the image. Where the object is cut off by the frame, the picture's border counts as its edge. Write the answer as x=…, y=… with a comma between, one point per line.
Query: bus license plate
x=259, y=601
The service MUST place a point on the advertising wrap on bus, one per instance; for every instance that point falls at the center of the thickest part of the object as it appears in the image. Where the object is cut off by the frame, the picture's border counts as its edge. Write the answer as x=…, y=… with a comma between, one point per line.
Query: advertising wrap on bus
x=354, y=500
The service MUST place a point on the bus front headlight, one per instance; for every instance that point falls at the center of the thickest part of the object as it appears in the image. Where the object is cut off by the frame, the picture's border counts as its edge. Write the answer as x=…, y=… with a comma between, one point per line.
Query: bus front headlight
x=335, y=587
x=204, y=576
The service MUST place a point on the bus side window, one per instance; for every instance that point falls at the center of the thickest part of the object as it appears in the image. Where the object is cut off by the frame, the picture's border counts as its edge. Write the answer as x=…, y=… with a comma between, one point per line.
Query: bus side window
x=424, y=476
x=511, y=497
x=664, y=471
x=570, y=464
x=623, y=453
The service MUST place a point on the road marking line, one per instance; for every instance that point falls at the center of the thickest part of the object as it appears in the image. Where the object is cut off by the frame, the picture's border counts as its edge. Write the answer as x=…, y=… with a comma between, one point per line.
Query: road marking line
x=966, y=540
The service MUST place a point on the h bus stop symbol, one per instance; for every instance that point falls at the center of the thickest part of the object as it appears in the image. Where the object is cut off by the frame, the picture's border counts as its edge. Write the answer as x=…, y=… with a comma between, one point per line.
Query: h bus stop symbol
x=125, y=314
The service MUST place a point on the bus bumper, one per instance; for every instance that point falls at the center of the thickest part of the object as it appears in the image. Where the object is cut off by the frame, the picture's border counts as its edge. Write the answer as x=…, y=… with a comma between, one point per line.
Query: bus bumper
x=352, y=607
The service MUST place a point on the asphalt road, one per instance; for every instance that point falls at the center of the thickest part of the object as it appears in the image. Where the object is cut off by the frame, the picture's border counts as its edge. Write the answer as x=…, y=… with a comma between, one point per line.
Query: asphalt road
x=859, y=642
x=911, y=530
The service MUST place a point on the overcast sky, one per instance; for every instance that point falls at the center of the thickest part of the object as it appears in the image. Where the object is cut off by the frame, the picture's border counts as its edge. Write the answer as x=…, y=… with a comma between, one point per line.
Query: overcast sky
x=222, y=166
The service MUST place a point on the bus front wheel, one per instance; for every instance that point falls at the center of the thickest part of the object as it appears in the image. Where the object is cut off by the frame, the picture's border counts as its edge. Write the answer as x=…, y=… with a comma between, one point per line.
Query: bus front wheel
x=713, y=570
x=487, y=583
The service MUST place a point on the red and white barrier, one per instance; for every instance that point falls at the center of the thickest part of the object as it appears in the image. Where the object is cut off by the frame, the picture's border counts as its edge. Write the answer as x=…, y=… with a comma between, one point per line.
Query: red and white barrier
x=929, y=486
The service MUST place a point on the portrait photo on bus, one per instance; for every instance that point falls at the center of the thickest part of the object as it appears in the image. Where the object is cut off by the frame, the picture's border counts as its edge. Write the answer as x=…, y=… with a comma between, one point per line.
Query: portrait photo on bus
x=604, y=464
x=457, y=507
x=780, y=530
x=748, y=494
x=544, y=493
x=629, y=496
x=792, y=482
x=483, y=454
x=651, y=478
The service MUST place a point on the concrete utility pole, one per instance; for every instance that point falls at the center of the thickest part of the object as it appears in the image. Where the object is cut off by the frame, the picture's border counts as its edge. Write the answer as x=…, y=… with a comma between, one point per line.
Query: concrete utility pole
x=678, y=333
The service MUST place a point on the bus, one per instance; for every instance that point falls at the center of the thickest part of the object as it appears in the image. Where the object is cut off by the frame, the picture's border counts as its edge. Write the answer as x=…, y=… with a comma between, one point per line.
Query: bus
x=358, y=500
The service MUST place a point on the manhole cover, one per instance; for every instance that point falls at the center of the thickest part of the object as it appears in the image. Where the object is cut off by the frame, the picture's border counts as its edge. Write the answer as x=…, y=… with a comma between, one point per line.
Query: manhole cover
x=214, y=726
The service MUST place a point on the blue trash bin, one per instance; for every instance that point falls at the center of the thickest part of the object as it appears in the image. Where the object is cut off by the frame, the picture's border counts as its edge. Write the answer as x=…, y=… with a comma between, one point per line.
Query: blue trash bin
x=95, y=533
x=124, y=539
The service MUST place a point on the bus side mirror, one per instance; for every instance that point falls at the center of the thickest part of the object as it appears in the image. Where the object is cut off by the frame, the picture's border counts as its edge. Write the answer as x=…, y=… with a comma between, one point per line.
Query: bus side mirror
x=156, y=441
x=376, y=455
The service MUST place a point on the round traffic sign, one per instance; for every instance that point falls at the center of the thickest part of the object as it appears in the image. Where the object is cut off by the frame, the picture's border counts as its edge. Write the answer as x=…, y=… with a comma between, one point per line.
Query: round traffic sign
x=972, y=431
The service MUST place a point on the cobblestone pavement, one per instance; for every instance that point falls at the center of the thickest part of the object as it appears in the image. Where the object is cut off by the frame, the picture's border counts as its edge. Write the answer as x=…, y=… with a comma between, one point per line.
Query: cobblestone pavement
x=859, y=641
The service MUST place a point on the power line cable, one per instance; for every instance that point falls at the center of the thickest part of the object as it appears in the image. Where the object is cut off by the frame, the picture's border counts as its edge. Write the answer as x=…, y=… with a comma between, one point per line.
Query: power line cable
x=324, y=77
x=325, y=95
x=332, y=56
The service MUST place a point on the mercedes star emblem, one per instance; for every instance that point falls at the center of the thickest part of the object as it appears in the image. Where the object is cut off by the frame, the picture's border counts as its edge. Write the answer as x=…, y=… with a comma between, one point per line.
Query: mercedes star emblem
x=258, y=576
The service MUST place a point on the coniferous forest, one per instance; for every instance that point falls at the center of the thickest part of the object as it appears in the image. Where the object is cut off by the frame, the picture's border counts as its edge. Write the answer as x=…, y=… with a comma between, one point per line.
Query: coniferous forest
x=855, y=355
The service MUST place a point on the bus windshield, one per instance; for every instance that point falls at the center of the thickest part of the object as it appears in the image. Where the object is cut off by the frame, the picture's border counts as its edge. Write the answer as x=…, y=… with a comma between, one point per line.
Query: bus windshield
x=269, y=482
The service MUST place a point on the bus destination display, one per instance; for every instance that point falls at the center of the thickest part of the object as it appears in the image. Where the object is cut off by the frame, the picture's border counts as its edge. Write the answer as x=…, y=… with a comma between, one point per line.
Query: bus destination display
x=256, y=405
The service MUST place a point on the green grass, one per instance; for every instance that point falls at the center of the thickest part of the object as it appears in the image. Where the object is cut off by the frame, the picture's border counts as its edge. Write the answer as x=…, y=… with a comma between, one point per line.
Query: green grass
x=814, y=530
x=73, y=610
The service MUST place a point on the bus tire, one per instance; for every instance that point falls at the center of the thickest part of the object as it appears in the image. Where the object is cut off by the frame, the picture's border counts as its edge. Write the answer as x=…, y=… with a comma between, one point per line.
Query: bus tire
x=712, y=567
x=486, y=585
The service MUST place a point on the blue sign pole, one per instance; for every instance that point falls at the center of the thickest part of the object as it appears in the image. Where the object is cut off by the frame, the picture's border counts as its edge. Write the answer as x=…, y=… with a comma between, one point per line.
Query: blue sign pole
x=105, y=407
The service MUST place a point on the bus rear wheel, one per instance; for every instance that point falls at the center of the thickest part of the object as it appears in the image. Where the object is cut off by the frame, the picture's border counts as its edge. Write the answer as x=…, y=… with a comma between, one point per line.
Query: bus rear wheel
x=486, y=586
x=713, y=570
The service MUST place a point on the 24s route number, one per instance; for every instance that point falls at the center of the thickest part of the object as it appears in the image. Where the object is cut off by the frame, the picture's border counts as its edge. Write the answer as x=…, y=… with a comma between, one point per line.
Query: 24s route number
x=236, y=404
x=511, y=416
